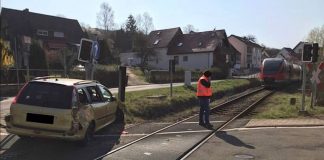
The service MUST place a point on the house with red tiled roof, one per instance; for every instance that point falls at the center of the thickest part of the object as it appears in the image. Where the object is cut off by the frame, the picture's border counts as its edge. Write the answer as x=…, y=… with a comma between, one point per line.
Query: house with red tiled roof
x=193, y=51
x=250, y=52
x=53, y=33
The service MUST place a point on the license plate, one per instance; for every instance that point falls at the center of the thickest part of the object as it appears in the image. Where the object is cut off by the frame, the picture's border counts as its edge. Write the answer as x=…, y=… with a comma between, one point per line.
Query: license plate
x=40, y=118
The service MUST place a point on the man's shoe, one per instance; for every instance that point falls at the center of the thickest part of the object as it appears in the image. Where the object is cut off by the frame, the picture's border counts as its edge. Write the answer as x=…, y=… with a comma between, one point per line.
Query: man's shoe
x=201, y=124
x=208, y=125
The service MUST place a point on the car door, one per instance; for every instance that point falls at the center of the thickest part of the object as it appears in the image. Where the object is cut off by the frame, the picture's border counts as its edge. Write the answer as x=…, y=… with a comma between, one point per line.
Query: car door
x=110, y=103
x=98, y=105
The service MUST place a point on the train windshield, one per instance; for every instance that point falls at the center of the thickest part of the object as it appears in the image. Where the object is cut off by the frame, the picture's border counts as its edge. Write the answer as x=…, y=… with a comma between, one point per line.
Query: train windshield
x=272, y=67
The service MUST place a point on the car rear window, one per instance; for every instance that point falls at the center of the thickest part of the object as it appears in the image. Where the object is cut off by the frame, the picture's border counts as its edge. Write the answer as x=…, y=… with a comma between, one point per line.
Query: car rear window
x=46, y=95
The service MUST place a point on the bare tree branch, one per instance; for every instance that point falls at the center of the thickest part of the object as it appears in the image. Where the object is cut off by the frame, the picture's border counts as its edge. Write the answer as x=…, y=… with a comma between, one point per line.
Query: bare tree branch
x=105, y=18
x=316, y=35
x=189, y=28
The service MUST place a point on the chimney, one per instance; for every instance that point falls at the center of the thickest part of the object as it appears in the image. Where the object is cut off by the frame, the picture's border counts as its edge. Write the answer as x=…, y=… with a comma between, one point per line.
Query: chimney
x=26, y=10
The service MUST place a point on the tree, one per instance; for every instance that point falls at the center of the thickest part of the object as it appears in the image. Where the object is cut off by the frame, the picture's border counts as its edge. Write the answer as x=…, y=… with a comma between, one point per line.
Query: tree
x=144, y=23
x=105, y=17
x=105, y=53
x=189, y=28
x=141, y=47
x=131, y=24
x=85, y=27
x=251, y=38
x=316, y=35
x=37, y=59
x=6, y=55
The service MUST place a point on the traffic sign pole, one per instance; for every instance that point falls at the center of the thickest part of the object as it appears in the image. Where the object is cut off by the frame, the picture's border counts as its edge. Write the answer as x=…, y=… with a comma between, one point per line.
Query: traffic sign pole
x=303, y=109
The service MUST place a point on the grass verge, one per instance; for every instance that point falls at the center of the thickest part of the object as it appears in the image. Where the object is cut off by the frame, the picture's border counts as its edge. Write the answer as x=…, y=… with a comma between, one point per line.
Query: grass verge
x=156, y=104
x=278, y=106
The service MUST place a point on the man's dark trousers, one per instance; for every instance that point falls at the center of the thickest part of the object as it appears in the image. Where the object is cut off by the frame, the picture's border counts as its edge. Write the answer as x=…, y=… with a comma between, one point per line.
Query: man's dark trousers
x=204, y=110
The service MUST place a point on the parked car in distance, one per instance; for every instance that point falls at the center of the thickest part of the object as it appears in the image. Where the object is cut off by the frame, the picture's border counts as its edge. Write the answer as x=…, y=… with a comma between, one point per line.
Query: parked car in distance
x=70, y=109
x=236, y=72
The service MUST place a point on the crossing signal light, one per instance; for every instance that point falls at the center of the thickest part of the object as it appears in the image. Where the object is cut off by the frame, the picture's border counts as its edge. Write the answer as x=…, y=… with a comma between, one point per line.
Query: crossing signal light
x=85, y=50
x=307, y=53
x=315, y=52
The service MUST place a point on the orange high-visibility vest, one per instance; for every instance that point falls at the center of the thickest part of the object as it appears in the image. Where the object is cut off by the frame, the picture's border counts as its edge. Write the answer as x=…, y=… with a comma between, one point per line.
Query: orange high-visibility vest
x=202, y=90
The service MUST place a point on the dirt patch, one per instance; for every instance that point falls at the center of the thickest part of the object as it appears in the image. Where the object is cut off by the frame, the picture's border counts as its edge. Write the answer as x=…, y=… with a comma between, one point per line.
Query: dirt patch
x=133, y=79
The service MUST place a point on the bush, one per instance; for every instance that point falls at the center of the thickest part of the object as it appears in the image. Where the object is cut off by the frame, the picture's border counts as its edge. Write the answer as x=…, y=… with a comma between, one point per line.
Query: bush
x=163, y=76
x=107, y=75
x=77, y=74
x=218, y=73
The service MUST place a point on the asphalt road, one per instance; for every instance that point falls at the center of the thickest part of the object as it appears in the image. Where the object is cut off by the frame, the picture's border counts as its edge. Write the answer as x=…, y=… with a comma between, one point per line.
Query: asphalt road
x=264, y=143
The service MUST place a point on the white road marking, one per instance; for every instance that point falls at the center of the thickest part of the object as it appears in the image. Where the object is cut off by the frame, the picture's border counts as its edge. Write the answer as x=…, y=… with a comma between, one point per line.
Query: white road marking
x=188, y=122
x=4, y=134
x=184, y=132
x=148, y=153
x=263, y=128
x=205, y=131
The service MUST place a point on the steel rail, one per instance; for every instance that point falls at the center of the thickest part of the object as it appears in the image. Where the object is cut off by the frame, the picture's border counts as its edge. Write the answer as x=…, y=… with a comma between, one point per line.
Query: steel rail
x=174, y=124
x=210, y=135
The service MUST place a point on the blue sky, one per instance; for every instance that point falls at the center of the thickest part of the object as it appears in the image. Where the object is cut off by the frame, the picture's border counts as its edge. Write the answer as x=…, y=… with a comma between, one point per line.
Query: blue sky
x=275, y=23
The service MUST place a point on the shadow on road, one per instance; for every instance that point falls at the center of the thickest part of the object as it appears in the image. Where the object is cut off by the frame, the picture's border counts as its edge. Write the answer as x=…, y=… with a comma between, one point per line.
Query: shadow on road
x=41, y=149
x=232, y=140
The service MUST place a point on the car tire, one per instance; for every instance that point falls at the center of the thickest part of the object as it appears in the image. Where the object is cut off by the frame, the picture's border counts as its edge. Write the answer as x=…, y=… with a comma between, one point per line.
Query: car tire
x=88, y=135
x=25, y=138
x=119, y=115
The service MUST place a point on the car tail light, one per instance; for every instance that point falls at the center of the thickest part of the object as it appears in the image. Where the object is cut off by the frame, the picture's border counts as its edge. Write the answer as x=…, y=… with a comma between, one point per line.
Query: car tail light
x=17, y=96
x=14, y=101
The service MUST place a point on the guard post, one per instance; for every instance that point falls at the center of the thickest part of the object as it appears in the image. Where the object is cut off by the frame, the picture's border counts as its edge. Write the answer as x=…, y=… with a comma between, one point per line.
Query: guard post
x=122, y=83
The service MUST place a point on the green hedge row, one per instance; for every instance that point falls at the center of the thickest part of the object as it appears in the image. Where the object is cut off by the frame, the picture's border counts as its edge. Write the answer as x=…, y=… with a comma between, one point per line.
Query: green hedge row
x=163, y=76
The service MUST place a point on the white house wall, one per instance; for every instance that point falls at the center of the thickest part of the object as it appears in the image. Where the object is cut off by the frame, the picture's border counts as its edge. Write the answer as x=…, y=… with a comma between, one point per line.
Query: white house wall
x=299, y=49
x=196, y=61
x=200, y=61
x=256, y=57
x=283, y=54
x=129, y=59
x=161, y=60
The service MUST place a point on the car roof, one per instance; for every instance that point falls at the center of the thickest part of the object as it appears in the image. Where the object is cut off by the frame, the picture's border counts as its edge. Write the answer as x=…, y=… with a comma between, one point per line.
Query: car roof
x=63, y=81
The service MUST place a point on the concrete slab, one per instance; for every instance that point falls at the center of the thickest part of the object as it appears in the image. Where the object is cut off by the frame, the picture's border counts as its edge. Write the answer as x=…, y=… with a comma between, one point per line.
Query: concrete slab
x=284, y=122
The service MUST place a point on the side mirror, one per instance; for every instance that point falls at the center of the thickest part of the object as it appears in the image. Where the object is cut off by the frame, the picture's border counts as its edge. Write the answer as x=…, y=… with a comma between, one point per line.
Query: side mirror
x=112, y=99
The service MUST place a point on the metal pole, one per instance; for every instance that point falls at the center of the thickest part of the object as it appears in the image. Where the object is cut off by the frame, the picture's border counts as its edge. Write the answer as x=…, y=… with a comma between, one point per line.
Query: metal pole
x=171, y=75
x=171, y=81
x=17, y=65
x=313, y=88
x=303, y=88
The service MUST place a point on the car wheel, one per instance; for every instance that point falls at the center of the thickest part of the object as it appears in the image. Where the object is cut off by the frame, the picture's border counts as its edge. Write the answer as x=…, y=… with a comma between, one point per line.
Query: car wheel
x=88, y=135
x=119, y=115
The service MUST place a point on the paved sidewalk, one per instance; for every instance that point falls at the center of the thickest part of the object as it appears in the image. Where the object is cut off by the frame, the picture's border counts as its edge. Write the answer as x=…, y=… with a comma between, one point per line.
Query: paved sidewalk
x=284, y=122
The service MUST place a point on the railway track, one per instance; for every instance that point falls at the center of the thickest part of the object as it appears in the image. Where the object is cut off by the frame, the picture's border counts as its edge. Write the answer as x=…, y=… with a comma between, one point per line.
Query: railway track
x=155, y=145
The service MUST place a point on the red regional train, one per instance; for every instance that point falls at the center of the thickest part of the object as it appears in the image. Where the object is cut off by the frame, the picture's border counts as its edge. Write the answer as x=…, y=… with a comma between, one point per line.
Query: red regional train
x=277, y=71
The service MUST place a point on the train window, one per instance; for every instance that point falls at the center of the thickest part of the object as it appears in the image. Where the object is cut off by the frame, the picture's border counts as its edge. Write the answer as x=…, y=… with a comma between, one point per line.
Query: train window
x=271, y=67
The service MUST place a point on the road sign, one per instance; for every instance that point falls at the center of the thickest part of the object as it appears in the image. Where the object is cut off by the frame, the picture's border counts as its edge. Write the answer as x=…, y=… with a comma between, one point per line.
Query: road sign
x=85, y=50
x=315, y=74
x=321, y=66
x=95, y=48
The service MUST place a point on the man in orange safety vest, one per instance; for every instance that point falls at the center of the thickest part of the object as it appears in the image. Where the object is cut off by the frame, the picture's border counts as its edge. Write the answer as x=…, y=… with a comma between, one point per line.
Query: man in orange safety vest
x=204, y=93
